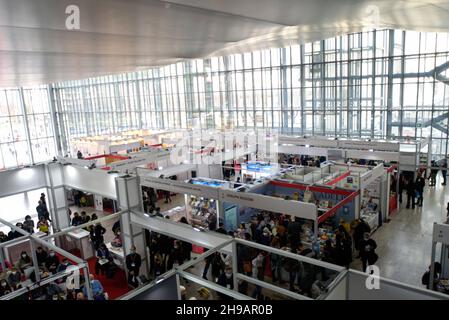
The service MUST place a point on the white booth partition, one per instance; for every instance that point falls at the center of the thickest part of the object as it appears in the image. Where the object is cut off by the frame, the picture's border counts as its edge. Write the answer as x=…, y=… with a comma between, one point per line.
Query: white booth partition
x=94, y=181
x=356, y=285
x=20, y=192
x=22, y=180
x=374, y=200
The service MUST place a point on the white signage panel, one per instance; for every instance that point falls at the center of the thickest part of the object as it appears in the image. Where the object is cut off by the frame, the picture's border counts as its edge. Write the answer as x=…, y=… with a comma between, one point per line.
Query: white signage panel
x=257, y=201
x=180, y=187
x=371, y=176
x=98, y=202
x=441, y=233
x=367, y=145
x=312, y=141
x=310, y=151
x=408, y=158
x=140, y=159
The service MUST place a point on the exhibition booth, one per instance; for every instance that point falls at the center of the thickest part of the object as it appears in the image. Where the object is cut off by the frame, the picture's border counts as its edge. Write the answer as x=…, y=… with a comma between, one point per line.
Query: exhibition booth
x=323, y=205
x=26, y=279
x=124, y=142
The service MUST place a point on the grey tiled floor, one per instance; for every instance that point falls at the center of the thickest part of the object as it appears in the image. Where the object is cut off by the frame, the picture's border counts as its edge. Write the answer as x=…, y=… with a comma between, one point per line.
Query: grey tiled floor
x=404, y=244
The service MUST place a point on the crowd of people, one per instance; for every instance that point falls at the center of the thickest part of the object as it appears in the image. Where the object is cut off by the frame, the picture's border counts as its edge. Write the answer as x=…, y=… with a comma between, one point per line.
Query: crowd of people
x=276, y=230
x=48, y=263
x=414, y=188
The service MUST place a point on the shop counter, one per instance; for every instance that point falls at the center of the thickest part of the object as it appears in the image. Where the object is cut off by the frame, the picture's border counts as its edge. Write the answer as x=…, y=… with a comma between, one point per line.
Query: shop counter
x=79, y=239
x=176, y=213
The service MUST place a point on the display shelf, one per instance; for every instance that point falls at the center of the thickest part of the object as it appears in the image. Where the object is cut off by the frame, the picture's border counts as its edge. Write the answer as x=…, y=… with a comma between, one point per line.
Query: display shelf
x=200, y=209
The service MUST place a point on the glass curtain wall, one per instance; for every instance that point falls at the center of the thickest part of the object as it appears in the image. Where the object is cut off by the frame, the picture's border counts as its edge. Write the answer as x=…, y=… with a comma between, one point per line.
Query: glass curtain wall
x=376, y=84
x=26, y=128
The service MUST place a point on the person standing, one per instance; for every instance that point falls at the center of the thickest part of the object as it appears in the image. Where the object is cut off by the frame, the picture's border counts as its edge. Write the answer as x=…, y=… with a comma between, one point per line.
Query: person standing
x=444, y=171
x=343, y=247
x=28, y=224
x=419, y=186
x=433, y=174
x=226, y=280
x=42, y=211
x=411, y=192
x=258, y=268
x=96, y=235
x=133, y=262
x=367, y=251
x=43, y=225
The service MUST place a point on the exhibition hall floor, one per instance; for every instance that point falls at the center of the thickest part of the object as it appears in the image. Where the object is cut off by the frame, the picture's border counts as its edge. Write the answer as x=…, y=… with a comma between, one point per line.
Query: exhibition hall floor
x=404, y=244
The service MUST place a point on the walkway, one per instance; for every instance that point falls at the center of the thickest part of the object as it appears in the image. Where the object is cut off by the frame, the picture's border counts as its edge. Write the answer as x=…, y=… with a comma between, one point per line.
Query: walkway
x=404, y=244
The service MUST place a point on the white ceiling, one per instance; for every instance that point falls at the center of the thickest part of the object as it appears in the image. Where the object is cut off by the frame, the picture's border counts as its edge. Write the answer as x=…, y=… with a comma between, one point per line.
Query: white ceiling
x=126, y=35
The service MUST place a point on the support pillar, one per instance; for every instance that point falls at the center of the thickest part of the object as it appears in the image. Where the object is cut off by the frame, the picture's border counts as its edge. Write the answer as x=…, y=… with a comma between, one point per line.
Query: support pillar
x=128, y=190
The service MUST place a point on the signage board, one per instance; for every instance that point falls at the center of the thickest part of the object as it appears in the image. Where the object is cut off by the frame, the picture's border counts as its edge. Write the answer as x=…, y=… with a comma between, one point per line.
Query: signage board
x=441, y=233
x=257, y=201
x=179, y=187
x=368, y=145
x=371, y=176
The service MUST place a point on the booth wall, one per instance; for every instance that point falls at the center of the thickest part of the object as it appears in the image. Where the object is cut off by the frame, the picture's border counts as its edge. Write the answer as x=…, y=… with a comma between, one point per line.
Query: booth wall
x=165, y=290
x=347, y=212
x=22, y=180
x=339, y=291
x=93, y=181
x=182, y=232
x=357, y=290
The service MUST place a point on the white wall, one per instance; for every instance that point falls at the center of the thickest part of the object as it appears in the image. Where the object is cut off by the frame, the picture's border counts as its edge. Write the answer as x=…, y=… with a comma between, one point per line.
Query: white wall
x=93, y=181
x=21, y=180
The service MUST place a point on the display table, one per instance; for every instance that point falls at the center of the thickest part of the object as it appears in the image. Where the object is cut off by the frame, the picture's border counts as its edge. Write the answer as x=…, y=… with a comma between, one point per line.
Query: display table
x=79, y=239
x=370, y=217
x=176, y=213
x=117, y=254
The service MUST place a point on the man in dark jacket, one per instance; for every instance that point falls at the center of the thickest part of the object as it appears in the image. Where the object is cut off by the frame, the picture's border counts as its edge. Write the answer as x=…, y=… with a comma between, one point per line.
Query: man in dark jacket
x=367, y=251
x=226, y=280
x=133, y=261
x=294, y=233
x=13, y=234
x=41, y=255
x=410, y=187
x=76, y=220
x=52, y=262
x=96, y=235
x=419, y=186
x=42, y=211
x=359, y=230
x=221, y=229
